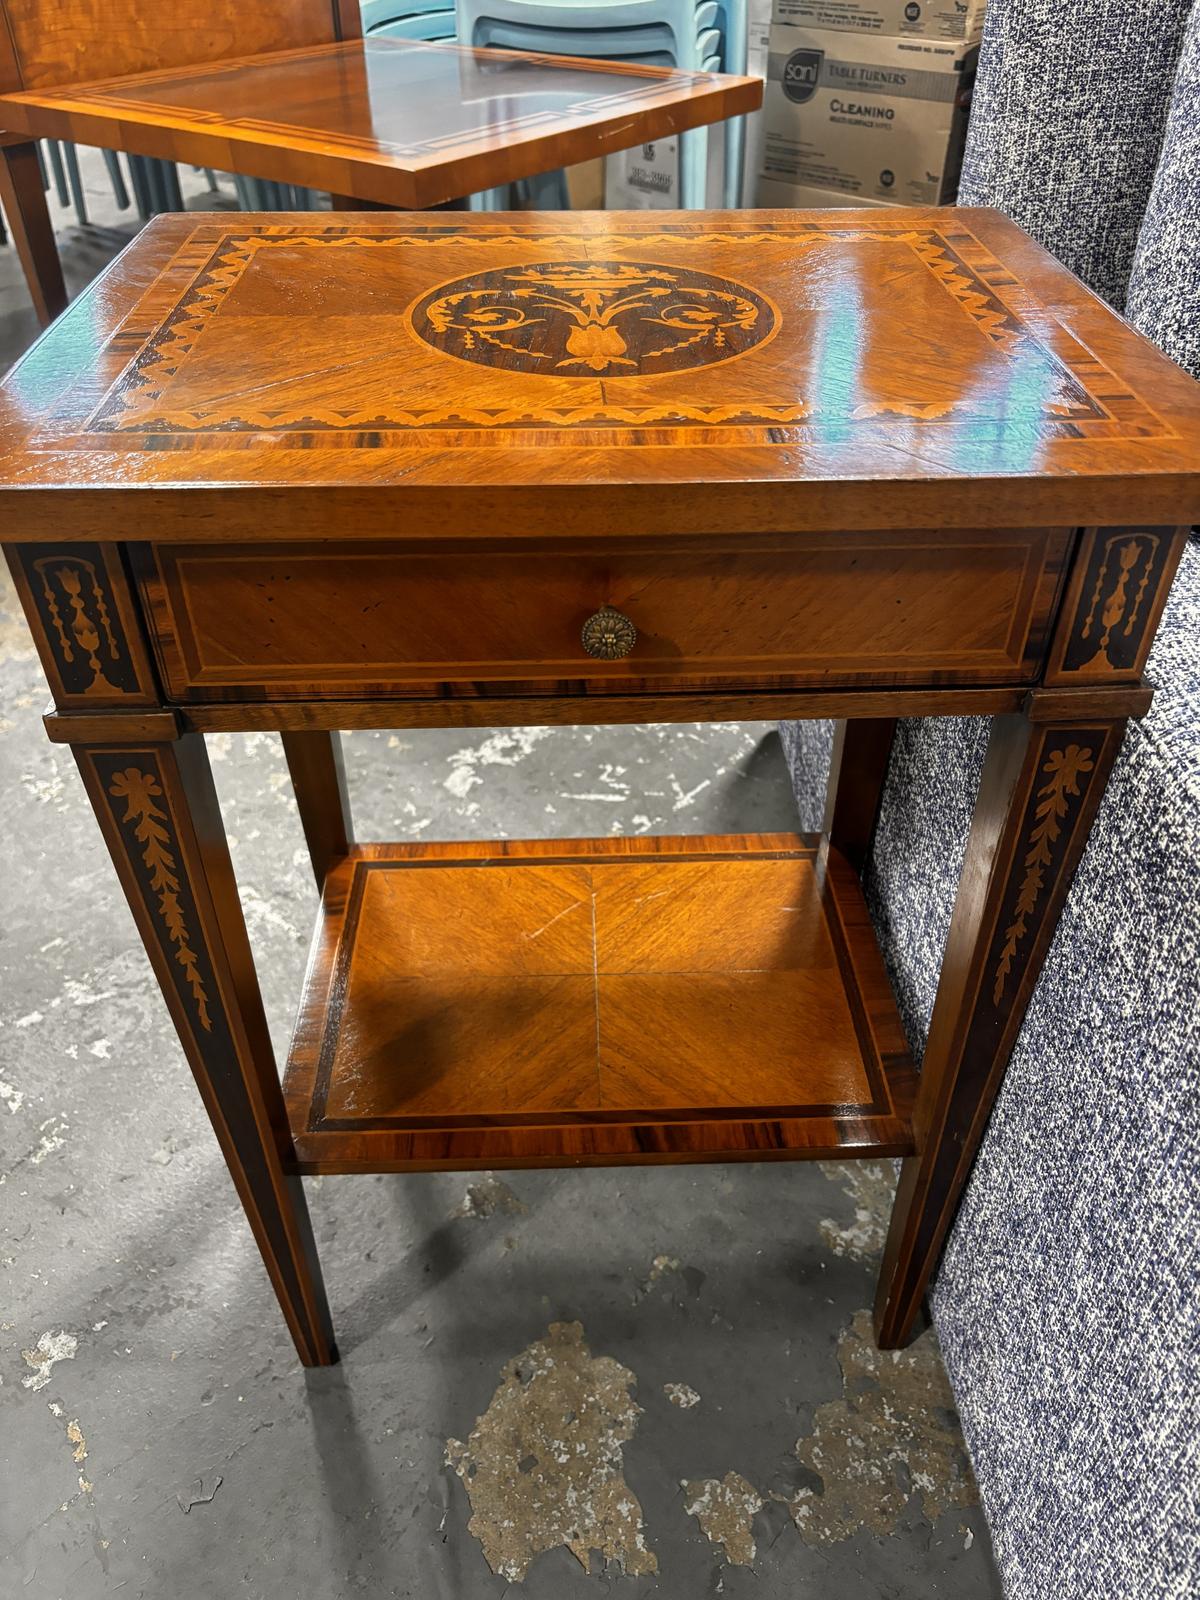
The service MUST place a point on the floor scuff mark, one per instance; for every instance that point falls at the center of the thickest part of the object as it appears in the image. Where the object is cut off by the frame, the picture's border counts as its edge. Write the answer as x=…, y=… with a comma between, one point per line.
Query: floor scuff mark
x=726, y=1508
x=543, y=1464
x=871, y=1185
x=53, y=1138
x=681, y=1395
x=50, y=1348
x=199, y=1494
x=489, y=1195
x=661, y=1267
x=78, y=1445
x=892, y=1435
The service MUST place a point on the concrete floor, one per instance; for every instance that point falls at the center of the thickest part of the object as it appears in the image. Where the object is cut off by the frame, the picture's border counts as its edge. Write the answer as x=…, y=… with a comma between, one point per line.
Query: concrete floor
x=705, y=1327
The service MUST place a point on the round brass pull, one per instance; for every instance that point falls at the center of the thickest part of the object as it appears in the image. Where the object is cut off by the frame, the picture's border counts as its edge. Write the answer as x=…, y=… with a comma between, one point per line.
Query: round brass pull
x=608, y=634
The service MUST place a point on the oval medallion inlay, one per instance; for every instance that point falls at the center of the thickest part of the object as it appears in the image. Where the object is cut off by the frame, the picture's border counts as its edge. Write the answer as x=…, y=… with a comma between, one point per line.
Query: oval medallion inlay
x=581, y=319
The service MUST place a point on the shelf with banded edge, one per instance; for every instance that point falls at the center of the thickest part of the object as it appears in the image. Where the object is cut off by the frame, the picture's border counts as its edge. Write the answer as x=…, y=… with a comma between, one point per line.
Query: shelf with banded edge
x=595, y=1002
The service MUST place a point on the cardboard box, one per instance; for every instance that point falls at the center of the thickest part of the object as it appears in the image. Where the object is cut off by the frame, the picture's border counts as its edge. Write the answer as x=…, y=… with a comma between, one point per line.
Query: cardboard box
x=646, y=178
x=960, y=21
x=878, y=119
x=771, y=195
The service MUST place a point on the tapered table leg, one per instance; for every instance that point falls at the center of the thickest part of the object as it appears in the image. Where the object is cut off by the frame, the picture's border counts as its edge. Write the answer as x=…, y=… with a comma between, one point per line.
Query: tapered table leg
x=1041, y=785
x=157, y=808
x=857, y=773
x=24, y=202
x=318, y=776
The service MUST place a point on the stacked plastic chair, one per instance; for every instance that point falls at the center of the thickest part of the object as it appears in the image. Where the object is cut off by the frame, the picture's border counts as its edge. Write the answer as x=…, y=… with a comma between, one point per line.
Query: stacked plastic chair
x=433, y=21
x=430, y=20
x=696, y=35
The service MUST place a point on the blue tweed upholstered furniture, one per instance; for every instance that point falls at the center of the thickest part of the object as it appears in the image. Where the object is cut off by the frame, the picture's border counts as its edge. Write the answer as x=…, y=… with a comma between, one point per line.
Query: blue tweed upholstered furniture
x=1068, y=1301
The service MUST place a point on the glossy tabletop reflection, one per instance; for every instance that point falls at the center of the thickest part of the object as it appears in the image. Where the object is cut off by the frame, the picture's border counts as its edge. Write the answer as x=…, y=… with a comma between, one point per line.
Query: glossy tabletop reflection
x=423, y=116
x=785, y=369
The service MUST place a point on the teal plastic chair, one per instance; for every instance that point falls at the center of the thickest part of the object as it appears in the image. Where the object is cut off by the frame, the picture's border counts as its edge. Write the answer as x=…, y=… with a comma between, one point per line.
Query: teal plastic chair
x=430, y=20
x=60, y=163
x=696, y=35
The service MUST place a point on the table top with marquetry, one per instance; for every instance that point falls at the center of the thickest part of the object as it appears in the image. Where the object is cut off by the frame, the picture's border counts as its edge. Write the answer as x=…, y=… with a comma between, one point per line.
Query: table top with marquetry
x=776, y=369
x=398, y=121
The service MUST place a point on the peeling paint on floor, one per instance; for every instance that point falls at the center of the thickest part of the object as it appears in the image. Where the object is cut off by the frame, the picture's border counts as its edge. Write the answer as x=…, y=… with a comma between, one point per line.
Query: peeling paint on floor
x=53, y=1138
x=543, y=1464
x=681, y=1395
x=659, y=1268
x=871, y=1185
x=726, y=1508
x=893, y=1435
x=505, y=748
x=49, y=1350
x=488, y=1195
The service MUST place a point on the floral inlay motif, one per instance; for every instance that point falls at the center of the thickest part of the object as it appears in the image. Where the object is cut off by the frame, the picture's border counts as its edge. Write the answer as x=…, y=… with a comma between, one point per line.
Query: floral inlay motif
x=1119, y=591
x=89, y=631
x=1062, y=771
x=584, y=318
x=140, y=791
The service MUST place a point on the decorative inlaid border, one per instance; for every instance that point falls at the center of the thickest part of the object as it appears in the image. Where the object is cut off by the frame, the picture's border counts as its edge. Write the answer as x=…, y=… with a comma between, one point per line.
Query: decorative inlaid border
x=134, y=789
x=76, y=600
x=1068, y=771
x=1121, y=580
x=1090, y=403
x=1062, y=778
x=150, y=825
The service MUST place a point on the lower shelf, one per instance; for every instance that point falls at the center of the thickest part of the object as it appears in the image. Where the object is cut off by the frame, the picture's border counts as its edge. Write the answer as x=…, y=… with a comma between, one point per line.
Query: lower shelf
x=595, y=1002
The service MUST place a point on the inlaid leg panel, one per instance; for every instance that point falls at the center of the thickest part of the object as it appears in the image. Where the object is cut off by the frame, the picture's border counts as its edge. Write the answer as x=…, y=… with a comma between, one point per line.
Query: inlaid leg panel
x=157, y=808
x=1041, y=786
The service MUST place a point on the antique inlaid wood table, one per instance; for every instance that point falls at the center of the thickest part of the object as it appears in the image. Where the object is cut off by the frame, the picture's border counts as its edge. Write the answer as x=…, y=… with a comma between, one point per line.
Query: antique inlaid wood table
x=388, y=121
x=306, y=474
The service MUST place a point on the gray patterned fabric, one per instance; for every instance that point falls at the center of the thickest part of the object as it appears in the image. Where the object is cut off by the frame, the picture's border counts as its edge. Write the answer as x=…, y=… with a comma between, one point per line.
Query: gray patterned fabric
x=1164, y=289
x=1068, y=1301
x=1066, y=1304
x=1067, y=123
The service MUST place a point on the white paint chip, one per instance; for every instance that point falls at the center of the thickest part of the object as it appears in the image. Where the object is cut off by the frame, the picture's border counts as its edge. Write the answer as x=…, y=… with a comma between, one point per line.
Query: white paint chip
x=681, y=1395
x=50, y=1349
x=52, y=1138
x=11, y=1096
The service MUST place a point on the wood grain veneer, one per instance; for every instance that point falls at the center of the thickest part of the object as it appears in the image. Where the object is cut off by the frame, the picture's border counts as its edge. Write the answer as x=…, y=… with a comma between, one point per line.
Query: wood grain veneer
x=392, y=121
x=354, y=619
x=843, y=370
x=718, y=994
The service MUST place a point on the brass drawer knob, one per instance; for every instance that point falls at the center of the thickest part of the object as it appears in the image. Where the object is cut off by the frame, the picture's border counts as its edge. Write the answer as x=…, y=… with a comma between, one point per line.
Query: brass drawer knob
x=608, y=634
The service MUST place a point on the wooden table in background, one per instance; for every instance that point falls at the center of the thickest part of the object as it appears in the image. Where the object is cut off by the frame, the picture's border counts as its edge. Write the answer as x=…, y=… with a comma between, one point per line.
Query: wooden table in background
x=304, y=473
x=385, y=121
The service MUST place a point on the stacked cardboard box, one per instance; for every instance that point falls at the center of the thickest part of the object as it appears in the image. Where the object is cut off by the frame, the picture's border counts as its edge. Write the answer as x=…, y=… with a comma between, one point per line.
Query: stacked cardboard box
x=960, y=21
x=867, y=101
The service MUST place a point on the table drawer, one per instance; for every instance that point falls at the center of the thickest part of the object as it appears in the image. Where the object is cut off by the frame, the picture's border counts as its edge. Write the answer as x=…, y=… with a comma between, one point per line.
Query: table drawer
x=308, y=620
